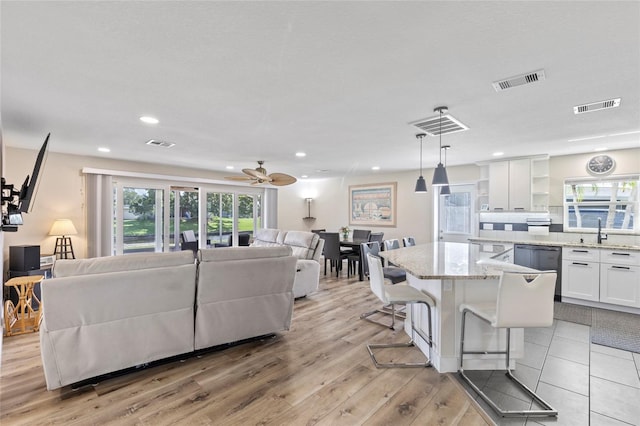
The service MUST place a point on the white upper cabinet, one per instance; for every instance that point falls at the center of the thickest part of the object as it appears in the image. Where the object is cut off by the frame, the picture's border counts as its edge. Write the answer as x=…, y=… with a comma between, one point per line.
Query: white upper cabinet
x=510, y=185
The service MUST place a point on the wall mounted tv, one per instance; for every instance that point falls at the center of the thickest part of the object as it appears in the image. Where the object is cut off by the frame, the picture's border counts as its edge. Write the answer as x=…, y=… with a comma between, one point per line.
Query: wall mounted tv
x=14, y=203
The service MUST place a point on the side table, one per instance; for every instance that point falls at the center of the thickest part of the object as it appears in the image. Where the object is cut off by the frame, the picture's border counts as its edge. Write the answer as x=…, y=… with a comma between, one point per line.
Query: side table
x=22, y=318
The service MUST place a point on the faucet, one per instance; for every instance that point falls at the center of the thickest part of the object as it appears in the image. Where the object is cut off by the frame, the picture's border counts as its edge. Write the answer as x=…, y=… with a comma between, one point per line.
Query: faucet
x=600, y=235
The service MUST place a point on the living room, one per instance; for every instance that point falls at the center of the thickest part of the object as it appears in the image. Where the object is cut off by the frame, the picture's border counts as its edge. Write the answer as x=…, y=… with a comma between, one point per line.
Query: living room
x=234, y=83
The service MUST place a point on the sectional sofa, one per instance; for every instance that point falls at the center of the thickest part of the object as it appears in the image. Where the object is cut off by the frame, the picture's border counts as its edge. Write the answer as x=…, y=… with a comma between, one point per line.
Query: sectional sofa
x=107, y=314
x=306, y=246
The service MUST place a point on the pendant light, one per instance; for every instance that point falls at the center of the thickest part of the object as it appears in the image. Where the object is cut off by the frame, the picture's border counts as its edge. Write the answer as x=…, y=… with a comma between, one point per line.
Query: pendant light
x=440, y=174
x=421, y=185
x=445, y=190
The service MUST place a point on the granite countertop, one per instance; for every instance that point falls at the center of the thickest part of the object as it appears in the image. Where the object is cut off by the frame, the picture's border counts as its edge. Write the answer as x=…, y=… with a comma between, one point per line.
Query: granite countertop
x=442, y=260
x=604, y=245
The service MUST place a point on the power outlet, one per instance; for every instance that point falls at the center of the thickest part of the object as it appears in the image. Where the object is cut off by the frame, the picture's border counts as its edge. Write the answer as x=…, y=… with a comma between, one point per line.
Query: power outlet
x=508, y=227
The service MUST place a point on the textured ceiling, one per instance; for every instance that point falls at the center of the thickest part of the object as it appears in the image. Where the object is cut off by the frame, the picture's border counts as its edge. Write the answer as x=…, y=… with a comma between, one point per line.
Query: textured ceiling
x=235, y=82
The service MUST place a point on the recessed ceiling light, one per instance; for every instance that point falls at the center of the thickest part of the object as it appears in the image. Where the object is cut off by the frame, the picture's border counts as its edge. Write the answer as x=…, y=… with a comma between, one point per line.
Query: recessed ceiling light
x=604, y=148
x=300, y=154
x=149, y=120
x=104, y=149
x=230, y=167
x=375, y=168
x=498, y=154
x=304, y=176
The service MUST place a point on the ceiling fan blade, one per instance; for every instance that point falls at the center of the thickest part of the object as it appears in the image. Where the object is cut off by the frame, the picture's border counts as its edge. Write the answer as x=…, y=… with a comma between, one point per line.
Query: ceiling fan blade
x=238, y=178
x=281, y=179
x=256, y=174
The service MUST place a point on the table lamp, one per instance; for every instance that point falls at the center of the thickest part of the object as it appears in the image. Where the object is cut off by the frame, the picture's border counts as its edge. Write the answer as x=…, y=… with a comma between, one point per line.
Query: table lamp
x=62, y=228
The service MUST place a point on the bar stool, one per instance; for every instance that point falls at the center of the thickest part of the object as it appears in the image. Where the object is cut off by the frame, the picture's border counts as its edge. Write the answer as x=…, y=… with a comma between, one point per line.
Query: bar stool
x=524, y=300
x=398, y=294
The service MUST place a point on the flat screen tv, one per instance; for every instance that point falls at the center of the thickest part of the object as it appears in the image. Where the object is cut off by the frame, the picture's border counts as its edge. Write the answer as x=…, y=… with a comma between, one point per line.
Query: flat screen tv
x=30, y=185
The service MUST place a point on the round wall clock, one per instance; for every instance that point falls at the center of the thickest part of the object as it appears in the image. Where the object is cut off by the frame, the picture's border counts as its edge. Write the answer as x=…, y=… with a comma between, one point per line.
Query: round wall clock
x=601, y=165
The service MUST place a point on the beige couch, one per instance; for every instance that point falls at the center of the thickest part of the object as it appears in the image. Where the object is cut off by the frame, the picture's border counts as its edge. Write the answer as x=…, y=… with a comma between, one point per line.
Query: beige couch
x=107, y=314
x=306, y=246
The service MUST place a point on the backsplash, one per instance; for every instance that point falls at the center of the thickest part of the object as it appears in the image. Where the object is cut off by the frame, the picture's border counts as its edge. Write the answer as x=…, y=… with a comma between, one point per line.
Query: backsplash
x=513, y=226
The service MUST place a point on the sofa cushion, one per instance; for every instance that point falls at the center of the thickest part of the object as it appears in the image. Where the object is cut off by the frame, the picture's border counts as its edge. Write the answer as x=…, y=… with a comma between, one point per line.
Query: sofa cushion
x=303, y=243
x=131, y=262
x=242, y=253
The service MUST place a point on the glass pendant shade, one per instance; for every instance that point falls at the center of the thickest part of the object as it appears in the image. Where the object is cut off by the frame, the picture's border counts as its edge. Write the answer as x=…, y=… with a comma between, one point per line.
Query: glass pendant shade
x=421, y=185
x=445, y=190
x=440, y=176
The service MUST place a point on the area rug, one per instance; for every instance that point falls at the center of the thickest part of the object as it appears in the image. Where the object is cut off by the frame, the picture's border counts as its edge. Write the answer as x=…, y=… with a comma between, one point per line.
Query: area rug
x=572, y=313
x=616, y=329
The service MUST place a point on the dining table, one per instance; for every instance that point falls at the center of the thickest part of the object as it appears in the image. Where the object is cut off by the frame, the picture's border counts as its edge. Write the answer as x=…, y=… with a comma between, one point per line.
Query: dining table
x=354, y=245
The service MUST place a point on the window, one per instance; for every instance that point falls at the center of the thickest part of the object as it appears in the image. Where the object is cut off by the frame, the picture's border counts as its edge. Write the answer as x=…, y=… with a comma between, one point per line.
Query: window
x=612, y=202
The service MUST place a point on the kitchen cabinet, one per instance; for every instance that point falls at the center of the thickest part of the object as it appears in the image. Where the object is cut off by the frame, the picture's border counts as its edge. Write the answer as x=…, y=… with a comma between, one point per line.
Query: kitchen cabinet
x=601, y=275
x=510, y=185
x=620, y=277
x=581, y=273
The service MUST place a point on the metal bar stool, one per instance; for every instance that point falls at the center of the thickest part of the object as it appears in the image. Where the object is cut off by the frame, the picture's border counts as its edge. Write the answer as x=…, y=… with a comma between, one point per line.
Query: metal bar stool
x=524, y=300
x=398, y=294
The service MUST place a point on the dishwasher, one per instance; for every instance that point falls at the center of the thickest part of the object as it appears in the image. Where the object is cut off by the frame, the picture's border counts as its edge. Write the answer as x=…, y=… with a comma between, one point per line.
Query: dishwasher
x=542, y=258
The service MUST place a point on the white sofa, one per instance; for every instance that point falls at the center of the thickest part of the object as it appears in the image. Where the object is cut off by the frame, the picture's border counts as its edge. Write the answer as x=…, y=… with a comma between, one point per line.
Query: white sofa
x=106, y=314
x=306, y=246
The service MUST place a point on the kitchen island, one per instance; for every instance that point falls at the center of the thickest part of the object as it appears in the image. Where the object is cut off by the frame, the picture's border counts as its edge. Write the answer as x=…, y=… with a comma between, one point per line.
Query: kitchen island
x=448, y=272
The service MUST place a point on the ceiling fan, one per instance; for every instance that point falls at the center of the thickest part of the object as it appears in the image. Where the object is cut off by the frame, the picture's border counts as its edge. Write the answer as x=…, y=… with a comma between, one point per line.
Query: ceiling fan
x=259, y=176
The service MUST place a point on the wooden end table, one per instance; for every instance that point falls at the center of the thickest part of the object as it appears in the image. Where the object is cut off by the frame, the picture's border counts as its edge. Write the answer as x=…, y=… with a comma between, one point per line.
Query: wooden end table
x=22, y=318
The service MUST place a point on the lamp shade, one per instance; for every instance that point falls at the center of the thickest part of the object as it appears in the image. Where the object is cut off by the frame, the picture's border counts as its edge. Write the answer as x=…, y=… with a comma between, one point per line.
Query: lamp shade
x=62, y=227
x=445, y=190
x=440, y=176
x=421, y=185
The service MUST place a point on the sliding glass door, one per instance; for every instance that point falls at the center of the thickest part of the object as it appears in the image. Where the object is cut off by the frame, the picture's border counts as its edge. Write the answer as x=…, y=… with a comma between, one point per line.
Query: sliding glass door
x=139, y=219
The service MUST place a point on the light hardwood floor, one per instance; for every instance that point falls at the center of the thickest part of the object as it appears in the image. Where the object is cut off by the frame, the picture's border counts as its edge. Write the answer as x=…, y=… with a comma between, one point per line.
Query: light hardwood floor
x=319, y=372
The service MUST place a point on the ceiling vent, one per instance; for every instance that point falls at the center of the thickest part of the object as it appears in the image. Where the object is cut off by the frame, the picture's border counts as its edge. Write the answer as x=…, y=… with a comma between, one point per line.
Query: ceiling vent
x=431, y=125
x=162, y=144
x=596, y=106
x=518, y=80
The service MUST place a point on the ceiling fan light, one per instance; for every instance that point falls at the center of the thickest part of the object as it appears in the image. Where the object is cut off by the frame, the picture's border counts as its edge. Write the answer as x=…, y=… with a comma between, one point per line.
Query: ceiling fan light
x=421, y=185
x=440, y=176
x=445, y=190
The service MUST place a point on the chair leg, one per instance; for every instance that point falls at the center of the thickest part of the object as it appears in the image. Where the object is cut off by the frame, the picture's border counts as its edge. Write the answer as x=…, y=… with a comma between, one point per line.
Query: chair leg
x=547, y=410
x=410, y=343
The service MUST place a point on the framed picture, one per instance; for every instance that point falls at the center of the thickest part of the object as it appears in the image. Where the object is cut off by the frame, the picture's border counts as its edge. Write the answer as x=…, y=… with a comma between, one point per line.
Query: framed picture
x=484, y=207
x=373, y=204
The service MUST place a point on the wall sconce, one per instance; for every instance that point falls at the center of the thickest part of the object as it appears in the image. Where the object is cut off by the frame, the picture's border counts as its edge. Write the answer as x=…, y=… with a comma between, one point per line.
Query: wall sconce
x=309, y=200
x=61, y=228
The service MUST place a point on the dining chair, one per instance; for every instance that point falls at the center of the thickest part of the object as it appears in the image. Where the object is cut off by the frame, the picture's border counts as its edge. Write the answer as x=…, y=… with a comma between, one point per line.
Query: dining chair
x=393, y=295
x=525, y=299
x=332, y=251
x=408, y=241
x=391, y=244
x=376, y=236
x=361, y=234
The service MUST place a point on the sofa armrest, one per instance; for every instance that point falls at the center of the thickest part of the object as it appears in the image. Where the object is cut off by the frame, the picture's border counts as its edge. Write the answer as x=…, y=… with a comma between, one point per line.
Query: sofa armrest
x=307, y=277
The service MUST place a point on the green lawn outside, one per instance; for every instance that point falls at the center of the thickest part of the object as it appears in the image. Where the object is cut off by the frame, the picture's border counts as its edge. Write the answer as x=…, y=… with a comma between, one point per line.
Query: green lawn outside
x=146, y=227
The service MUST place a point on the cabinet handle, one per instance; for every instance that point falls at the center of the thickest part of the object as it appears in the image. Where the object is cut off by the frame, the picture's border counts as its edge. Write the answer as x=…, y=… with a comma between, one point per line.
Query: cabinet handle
x=580, y=251
x=620, y=254
x=620, y=267
x=581, y=264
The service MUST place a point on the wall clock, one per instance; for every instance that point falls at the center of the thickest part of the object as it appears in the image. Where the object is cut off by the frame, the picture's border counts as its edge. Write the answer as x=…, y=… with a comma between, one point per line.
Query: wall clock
x=601, y=165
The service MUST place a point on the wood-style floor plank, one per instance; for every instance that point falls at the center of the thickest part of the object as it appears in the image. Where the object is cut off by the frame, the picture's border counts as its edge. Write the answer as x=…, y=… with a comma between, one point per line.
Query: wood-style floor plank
x=319, y=372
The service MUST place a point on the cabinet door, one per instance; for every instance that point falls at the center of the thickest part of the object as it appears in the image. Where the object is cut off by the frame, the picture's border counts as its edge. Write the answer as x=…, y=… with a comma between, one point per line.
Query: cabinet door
x=520, y=184
x=499, y=185
x=581, y=280
x=620, y=285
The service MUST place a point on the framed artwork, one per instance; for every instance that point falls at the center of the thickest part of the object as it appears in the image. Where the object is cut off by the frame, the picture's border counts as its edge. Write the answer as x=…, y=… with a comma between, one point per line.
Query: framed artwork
x=484, y=207
x=373, y=204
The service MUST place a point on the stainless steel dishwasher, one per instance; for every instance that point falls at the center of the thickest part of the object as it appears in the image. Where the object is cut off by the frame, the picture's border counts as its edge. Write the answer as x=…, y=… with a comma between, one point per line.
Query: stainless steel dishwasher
x=542, y=258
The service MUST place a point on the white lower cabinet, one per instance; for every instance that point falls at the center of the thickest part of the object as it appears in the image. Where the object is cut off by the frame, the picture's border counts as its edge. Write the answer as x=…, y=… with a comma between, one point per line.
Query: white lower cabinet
x=620, y=278
x=602, y=275
x=581, y=279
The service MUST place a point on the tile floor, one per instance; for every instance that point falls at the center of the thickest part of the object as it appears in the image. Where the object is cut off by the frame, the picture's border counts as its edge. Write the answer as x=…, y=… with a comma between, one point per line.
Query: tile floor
x=588, y=384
